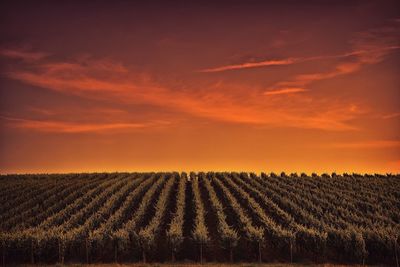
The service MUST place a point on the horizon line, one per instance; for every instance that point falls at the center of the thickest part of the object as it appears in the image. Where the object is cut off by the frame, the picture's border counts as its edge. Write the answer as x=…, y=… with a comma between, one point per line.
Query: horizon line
x=205, y=171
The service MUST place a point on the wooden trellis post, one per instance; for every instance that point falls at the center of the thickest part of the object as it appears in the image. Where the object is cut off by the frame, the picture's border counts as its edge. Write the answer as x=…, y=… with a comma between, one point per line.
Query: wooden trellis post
x=395, y=252
x=230, y=252
x=87, y=250
x=291, y=251
x=201, y=253
x=116, y=251
x=144, y=256
x=4, y=254
x=172, y=255
x=32, y=253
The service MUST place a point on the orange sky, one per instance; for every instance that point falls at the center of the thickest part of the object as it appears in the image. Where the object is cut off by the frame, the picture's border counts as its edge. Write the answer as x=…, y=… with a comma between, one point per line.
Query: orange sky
x=238, y=85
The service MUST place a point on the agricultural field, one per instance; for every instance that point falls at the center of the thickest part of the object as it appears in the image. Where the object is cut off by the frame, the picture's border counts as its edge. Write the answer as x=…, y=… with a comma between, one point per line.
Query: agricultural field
x=199, y=218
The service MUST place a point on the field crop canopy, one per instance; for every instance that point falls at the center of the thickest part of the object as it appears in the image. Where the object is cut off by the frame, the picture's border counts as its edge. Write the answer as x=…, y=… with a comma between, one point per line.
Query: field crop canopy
x=199, y=217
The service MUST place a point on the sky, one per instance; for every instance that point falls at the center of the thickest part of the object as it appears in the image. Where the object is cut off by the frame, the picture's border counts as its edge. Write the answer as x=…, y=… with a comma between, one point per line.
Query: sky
x=294, y=86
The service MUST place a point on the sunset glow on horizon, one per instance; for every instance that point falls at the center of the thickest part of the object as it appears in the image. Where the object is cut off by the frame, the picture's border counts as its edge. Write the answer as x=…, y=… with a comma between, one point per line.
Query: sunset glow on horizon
x=242, y=85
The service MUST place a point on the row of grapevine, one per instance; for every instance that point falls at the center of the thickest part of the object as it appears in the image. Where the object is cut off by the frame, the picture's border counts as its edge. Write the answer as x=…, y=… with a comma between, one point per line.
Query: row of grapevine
x=175, y=230
x=304, y=237
x=148, y=234
x=212, y=216
x=103, y=234
x=50, y=206
x=82, y=232
x=331, y=206
x=20, y=188
x=229, y=236
x=33, y=198
x=306, y=213
x=14, y=185
x=340, y=199
x=252, y=233
x=36, y=240
x=126, y=235
x=70, y=210
x=277, y=236
x=344, y=238
x=200, y=232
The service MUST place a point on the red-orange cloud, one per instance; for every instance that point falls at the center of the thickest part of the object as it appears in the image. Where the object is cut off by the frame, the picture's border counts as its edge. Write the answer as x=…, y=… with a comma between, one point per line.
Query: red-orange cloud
x=369, y=47
x=111, y=81
x=365, y=54
x=285, y=91
x=370, y=144
x=76, y=127
x=391, y=116
x=22, y=54
x=247, y=65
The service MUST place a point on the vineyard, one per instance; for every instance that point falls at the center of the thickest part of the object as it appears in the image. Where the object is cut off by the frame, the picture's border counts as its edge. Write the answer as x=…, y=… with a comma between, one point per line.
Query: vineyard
x=199, y=217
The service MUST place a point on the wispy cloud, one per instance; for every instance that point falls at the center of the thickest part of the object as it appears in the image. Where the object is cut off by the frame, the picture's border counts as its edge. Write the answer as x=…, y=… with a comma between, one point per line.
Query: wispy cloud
x=285, y=91
x=92, y=111
x=303, y=80
x=272, y=62
x=247, y=65
x=22, y=54
x=391, y=116
x=75, y=127
x=369, y=47
x=112, y=82
x=369, y=144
